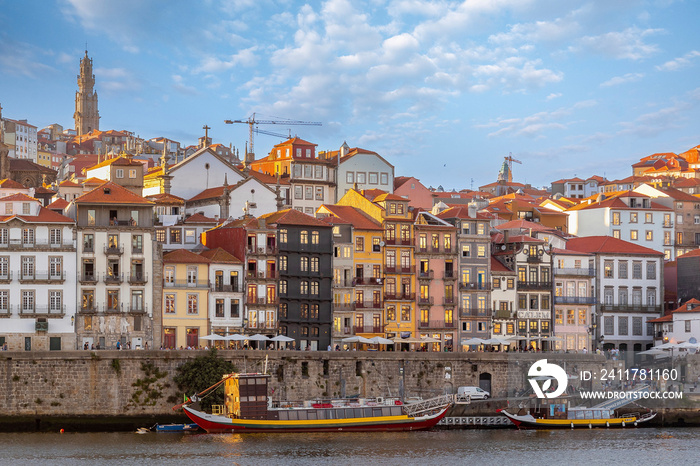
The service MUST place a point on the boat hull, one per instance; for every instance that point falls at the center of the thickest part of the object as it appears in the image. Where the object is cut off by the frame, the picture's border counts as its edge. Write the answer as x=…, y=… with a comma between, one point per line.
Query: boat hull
x=530, y=422
x=176, y=427
x=213, y=423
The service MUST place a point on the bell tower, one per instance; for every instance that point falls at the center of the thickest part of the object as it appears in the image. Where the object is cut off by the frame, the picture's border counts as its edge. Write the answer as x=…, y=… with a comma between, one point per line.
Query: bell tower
x=87, y=117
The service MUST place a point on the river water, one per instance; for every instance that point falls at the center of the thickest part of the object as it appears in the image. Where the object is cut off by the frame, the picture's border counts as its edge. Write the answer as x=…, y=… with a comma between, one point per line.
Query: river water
x=643, y=446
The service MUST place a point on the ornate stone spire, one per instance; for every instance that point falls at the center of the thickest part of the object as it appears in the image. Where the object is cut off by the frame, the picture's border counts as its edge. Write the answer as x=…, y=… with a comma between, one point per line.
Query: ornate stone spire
x=87, y=116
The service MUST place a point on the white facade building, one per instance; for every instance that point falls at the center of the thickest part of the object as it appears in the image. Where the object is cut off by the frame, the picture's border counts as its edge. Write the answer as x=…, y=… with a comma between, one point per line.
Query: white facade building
x=574, y=302
x=37, y=276
x=365, y=168
x=226, y=292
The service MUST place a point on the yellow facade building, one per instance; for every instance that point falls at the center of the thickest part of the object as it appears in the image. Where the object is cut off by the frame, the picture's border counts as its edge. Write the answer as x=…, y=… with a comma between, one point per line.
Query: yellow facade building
x=185, y=299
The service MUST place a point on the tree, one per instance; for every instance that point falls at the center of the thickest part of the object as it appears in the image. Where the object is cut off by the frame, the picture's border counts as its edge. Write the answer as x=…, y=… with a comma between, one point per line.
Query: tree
x=200, y=374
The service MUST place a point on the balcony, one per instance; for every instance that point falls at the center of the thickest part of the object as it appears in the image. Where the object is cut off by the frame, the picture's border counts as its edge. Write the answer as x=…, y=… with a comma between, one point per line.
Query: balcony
x=189, y=283
x=113, y=278
x=426, y=275
x=226, y=288
x=18, y=244
x=261, y=251
x=503, y=314
x=630, y=308
x=400, y=269
x=88, y=309
x=5, y=311
x=534, y=259
x=437, y=324
x=367, y=329
x=449, y=275
x=344, y=307
x=425, y=300
x=138, y=278
x=474, y=312
x=43, y=277
x=114, y=308
x=41, y=311
x=260, y=275
x=535, y=286
x=344, y=283
x=366, y=281
x=114, y=250
x=399, y=242
x=475, y=286
x=138, y=309
x=574, y=300
x=255, y=301
x=369, y=305
x=449, y=301
x=87, y=278
x=400, y=296
x=579, y=272
x=6, y=277
x=668, y=224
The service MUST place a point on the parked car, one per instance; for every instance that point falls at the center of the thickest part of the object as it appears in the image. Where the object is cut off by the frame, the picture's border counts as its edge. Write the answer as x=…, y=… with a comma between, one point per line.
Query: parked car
x=475, y=393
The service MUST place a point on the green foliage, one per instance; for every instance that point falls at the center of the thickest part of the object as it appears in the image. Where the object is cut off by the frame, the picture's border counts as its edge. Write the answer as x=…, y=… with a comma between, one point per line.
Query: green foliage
x=149, y=388
x=201, y=373
x=117, y=366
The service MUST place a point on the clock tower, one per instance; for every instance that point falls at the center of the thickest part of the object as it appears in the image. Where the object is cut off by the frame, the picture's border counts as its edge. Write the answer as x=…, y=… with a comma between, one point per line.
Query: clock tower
x=87, y=117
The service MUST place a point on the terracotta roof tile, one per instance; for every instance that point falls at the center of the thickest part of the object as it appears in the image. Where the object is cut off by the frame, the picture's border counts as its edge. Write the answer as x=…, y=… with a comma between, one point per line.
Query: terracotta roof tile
x=45, y=216
x=211, y=193
x=292, y=217
x=59, y=203
x=608, y=245
x=199, y=218
x=354, y=216
x=166, y=199
x=18, y=197
x=111, y=193
x=11, y=184
x=183, y=256
x=219, y=256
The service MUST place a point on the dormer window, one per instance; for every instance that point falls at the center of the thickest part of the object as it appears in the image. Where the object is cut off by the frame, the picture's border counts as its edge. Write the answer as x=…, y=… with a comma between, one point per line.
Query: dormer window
x=25, y=208
x=8, y=208
x=120, y=173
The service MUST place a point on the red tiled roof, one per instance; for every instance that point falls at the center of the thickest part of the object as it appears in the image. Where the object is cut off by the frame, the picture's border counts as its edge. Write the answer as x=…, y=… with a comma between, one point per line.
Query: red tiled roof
x=111, y=193
x=372, y=194
x=18, y=197
x=693, y=253
x=496, y=266
x=218, y=255
x=199, y=218
x=522, y=225
x=165, y=198
x=93, y=181
x=354, y=216
x=183, y=256
x=211, y=193
x=293, y=217
x=42, y=190
x=11, y=184
x=659, y=320
x=59, y=203
x=45, y=216
x=389, y=197
x=569, y=252
x=608, y=245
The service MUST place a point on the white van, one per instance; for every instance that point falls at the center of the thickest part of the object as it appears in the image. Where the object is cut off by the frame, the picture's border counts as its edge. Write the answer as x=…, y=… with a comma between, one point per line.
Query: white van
x=475, y=393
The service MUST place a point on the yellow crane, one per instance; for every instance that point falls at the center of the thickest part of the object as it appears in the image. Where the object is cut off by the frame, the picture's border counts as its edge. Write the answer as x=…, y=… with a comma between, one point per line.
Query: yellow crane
x=510, y=161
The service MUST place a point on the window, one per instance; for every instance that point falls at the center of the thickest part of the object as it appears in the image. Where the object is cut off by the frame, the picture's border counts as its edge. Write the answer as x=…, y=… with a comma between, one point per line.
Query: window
x=303, y=237
x=361, y=178
x=314, y=237
x=55, y=236
x=350, y=177
x=137, y=244
x=616, y=234
x=192, y=275
x=391, y=313
x=608, y=269
x=304, y=264
x=559, y=316
x=687, y=326
x=28, y=236
x=373, y=177
x=304, y=287
x=649, y=235
x=582, y=317
x=608, y=325
x=633, y=217
x=169, y=303
x=55, y=267
x=55, y=301
x=283, y=236
x=359, y=244
x=4, y=236
x=636, y=326
x=480, y=229
x=651, y=270
x=304, y=311
x=314, y=264
x=309, y=192
x=175, y=236
x=308, y=171
x=219, y=308
x=113, y=300
x=633, y=235
x=511, y=283
x=318, y=172
x=384, y=178
x=192, y=304
x=622, y=270
x=319, y=193
x=169, y=274
x=405, y=313
x=616, y=218
x=283, y=263
x=8, y=208
x=27, y=267
x=88, y=243
x=120, y=173
x=298, y=192
x=637, y=271
x=481, y=251
x=313, y=314
x=314, y=288
x=190, y=236
x=622, y=325
x=648, y=217
x=160, y=235
x=132, y=173
x=28, y=301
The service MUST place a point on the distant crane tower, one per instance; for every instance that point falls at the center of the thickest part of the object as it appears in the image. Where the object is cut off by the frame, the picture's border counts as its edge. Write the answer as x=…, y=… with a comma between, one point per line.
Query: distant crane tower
x=509, y=160
x=252, y=128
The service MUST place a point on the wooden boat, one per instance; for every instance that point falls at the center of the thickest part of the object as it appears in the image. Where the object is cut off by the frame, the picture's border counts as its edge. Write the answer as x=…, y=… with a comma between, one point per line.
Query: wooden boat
x=176, y=427
x=551, y=414
x=247, y=409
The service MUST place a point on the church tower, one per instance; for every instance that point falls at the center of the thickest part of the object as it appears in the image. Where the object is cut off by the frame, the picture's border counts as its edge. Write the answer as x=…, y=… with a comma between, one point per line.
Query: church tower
x=86, y=116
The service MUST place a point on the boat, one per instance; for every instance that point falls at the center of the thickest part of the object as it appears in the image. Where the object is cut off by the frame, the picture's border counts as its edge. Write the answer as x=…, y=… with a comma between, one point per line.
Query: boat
x=247, y=409
x=551, y=414
x=176, y=427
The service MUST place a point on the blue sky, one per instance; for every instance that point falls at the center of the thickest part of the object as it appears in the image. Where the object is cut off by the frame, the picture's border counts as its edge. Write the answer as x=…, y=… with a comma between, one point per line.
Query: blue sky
x=444, y=90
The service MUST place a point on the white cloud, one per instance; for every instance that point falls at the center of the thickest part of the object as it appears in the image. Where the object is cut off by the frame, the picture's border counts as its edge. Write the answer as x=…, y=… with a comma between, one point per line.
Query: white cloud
x=617, y=80
x=22, y=59
x=180, y=86
x=680, y=62
x=211, y=64
x=554, y=96
x=627, y=44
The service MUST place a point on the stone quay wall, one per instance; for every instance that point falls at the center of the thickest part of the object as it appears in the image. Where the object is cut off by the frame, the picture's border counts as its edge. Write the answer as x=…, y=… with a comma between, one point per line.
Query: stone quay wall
x=137, y=383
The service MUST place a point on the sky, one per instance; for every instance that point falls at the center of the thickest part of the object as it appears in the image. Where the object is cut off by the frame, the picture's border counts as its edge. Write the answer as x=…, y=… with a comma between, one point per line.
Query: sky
x=443, y=90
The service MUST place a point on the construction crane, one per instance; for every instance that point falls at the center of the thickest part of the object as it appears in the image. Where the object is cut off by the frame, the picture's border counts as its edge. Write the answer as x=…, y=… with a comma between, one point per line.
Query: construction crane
x=252, y=128
x=510, y=161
